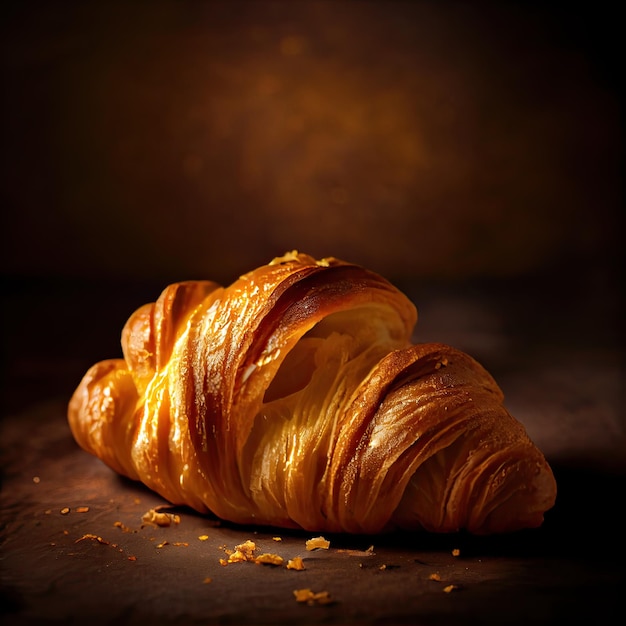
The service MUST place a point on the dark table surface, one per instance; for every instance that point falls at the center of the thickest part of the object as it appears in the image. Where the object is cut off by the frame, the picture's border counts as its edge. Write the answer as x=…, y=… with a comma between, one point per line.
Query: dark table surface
x=74, y=548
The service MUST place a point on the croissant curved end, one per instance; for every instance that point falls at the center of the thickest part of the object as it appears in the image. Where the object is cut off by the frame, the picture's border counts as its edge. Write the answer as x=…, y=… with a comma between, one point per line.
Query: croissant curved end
x=295, y=398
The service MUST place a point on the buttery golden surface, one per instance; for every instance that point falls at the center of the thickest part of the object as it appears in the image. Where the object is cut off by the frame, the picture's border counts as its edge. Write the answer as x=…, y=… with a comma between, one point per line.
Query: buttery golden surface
x=294, y=398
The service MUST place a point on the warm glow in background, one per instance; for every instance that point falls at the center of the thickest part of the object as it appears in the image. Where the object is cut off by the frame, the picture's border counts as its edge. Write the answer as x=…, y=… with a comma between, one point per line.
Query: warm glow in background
x=173, y=140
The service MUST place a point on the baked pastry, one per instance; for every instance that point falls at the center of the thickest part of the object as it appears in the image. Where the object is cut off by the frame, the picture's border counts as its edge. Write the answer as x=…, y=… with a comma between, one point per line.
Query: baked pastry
x=295, y=398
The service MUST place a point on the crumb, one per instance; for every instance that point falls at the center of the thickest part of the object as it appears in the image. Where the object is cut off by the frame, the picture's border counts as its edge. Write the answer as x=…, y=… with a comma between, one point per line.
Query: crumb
x=456, y=552
x=450, y=588
x=246, y=548
x=65, y=510
x=81, y=509
x=296, y=563
x=317, y=543
x=277, y=538
x=309, y=597
x=243, y=552
x=123, y=527
x=203, y=537
x=237, y=557
x=434, y=577
x=157, y=518
x=207, y=580
x=269, y=559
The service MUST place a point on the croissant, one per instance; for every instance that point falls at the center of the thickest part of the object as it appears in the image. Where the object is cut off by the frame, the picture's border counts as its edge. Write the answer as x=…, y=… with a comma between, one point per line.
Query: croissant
x=294, y=398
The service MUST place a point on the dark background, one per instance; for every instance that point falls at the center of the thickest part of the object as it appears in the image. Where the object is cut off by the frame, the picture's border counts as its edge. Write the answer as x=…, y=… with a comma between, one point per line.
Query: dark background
x=169, y=140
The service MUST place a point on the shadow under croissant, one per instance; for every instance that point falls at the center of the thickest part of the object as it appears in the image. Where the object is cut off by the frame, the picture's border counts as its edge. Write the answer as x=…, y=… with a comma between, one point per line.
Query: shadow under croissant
x=584, y=522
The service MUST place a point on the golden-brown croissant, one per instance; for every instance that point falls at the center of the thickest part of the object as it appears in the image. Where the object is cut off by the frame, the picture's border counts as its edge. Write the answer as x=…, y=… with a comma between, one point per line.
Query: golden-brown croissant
x=294, y=398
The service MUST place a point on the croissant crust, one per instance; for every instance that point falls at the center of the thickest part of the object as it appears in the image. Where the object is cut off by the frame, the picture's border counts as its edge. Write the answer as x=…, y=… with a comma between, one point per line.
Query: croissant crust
x=295, y=398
